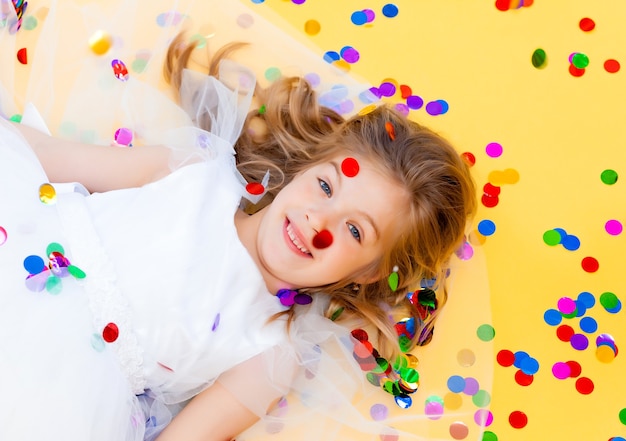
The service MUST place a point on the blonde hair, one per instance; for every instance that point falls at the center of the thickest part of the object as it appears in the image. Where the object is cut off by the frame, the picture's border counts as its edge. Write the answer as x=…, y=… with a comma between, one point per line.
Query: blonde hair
x=293, y=132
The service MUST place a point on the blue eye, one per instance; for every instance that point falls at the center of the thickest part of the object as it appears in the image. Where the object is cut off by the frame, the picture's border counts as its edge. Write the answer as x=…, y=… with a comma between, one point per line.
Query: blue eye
x=325, y=187
x=355, y=232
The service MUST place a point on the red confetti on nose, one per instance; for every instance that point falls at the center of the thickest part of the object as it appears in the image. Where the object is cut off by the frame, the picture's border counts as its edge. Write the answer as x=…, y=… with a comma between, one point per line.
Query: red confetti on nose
x=22, y=56
x=350, y=167
x=110, y=333
x=255, y=188
x=323, y=239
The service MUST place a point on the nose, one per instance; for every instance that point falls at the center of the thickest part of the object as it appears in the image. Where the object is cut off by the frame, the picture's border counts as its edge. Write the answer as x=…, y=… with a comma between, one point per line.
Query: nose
x=323, y=238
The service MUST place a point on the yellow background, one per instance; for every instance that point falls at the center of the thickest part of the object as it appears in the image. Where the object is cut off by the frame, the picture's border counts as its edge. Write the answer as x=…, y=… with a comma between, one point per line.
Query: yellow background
x=558, y=131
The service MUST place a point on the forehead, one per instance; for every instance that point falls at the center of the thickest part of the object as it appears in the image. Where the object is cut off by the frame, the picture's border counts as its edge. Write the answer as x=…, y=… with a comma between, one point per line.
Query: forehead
x=364, y=187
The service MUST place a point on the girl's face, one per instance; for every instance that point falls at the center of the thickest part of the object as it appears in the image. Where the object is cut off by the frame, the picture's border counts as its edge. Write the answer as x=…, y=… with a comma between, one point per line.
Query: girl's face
x=364, y=214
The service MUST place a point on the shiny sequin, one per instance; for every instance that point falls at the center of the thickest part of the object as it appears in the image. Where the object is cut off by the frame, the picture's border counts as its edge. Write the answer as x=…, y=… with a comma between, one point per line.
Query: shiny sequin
x=289, y=297
x=110, y=333
x=100, y=42
x=48, y=275
x=119, y=70
x=47, y=194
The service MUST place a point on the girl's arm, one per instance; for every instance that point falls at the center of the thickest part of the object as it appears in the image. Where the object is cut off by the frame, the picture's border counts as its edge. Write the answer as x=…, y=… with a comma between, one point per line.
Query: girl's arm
x=213, y=415
x=99, y=168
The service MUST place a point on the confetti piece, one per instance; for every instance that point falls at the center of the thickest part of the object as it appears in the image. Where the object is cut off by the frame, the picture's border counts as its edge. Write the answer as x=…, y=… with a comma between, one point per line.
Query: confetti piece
x=505, y=358
x=123, y=136
x=255, y=188
x=590, y=264
x=97, y=343
x=349, y=54
x=494, y=149
x=47, y=194
x=584, y=385
x=539, y=58
x=312, y=27
x=391, y=131
x=22, y=56
x=390, y=10
x=119, y=70
x=350, y=167
x=459, y=430
x=611, y=66
x=613, y=227
x=579, y=342
x=323, y=239
x=110, y=333
x=580, y=60
x=518, y=419
x=609, y=177
x=486, y=227
x=469, y=158
x=576, y=72
x=379, y=412
x=392, y=280
x=438, y=107
x=564, y=333
x=586, y=24
x=523, y=379
x=3, y=236
x=486, y=332
x=501, y=177
x=100, y=42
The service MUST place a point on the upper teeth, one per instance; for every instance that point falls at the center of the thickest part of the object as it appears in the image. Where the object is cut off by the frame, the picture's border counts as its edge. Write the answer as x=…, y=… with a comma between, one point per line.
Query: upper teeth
x=295, y=240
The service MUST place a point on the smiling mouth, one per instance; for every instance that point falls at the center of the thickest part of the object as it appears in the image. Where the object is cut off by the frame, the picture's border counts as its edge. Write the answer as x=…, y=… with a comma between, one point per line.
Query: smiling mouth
x=295, y=240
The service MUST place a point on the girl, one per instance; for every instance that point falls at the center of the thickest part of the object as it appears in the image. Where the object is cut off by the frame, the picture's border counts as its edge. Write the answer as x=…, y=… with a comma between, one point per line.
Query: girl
x=155, y=304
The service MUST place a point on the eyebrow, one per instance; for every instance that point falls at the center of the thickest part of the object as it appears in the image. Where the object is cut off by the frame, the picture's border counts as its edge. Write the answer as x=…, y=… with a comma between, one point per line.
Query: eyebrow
x=367, y=217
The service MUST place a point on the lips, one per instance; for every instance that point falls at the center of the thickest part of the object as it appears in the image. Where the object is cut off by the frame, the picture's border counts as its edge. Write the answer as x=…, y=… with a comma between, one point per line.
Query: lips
x=294, y=240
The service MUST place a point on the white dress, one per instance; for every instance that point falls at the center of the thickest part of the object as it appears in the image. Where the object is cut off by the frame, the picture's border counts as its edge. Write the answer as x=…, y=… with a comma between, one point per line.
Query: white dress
x=117, y=308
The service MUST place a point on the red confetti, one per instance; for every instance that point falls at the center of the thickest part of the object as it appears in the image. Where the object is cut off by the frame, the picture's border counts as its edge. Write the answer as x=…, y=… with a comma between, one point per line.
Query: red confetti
x=586, y=24
x=405, y=91
x=575, y=368
x=564, y=333
x=491, y=190
x=350, y=167
x=576, y=72
x=489, y=201
x=469, y=158
x=22, y=56
x=323, y=239
x=255, y=188
x=505, y=358
x=584, y=385
x=523, y=379
x=518, y=419
x=110, y=333
x=360, y=335
x=590, y=264
x=390, y=130
x=611, y=66
x=363, y=349
x=503, y=5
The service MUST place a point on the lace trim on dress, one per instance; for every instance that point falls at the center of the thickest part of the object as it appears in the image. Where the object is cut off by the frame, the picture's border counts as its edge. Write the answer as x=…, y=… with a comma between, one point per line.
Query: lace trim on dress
x=107, y=304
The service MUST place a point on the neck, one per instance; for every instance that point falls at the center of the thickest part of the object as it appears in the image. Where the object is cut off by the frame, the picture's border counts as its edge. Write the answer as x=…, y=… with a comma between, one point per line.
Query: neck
x=247, y=229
